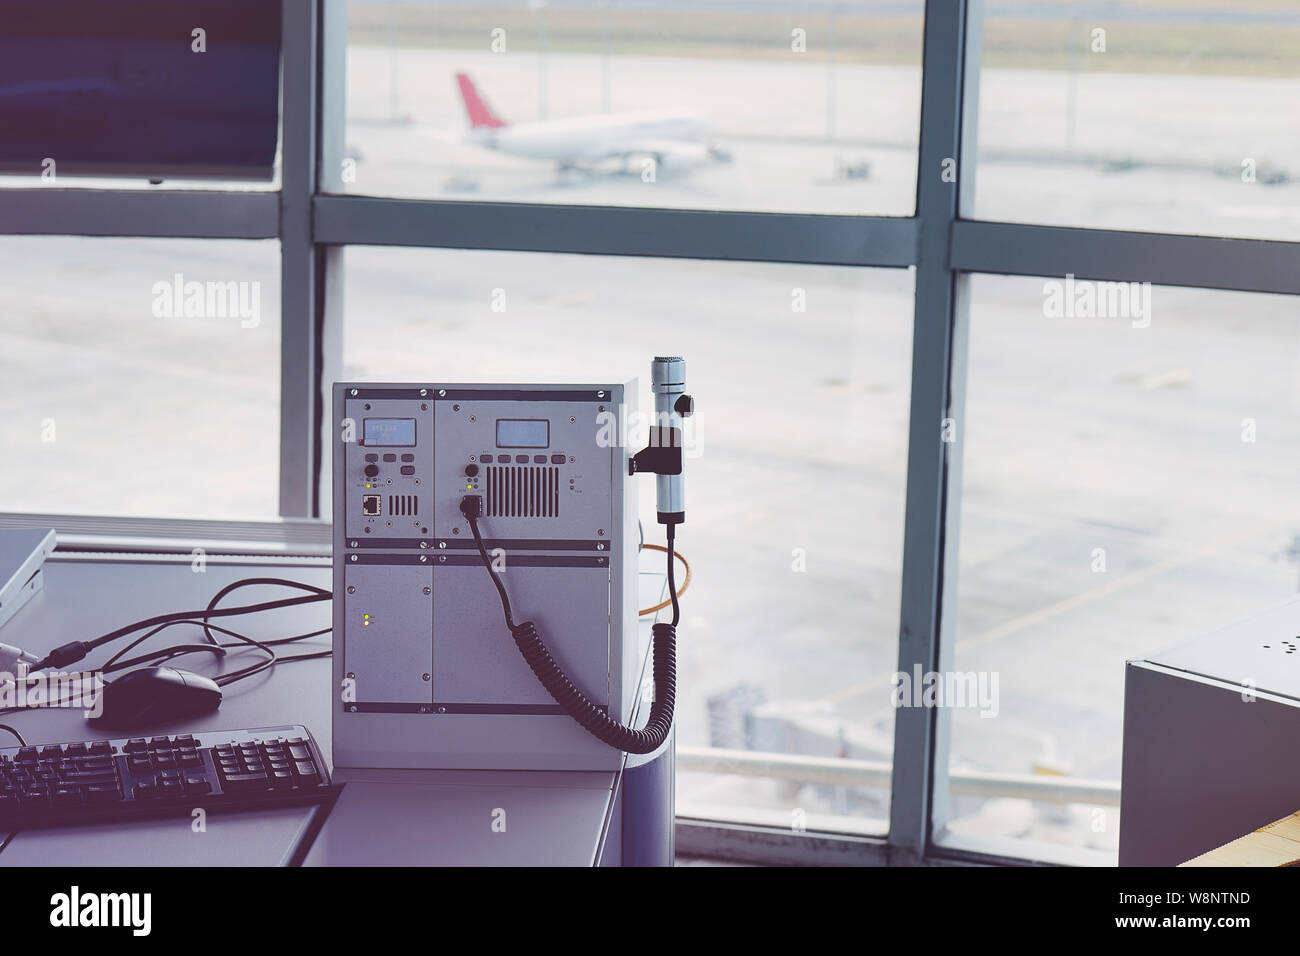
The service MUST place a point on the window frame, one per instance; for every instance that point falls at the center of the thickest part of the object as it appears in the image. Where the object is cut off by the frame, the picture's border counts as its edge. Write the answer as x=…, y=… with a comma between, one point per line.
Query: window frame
x=941, y=241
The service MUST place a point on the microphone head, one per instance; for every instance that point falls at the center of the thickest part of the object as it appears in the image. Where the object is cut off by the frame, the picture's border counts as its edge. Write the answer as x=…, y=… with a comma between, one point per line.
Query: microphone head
x=667, y=373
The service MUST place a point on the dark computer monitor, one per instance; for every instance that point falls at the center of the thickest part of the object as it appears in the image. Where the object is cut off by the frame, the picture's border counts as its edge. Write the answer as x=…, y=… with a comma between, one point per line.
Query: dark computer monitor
x=128, y=88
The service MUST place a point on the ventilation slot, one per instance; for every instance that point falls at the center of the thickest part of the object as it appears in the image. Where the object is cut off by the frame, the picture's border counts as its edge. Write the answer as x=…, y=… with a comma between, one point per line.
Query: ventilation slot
x=523, y=492
x=403, y=505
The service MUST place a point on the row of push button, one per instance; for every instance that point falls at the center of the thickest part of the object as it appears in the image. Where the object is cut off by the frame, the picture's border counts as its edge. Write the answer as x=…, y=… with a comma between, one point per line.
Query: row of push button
x=556, y=459
x=278, y=763
x=172, y=783
x=54, y=752
x=390, y=457
x=100, y=780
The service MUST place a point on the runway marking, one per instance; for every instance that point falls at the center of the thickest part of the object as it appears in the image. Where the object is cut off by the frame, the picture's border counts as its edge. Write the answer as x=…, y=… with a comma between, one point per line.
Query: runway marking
x=1174, y=378
x=1077, y=600
x=1117, y=584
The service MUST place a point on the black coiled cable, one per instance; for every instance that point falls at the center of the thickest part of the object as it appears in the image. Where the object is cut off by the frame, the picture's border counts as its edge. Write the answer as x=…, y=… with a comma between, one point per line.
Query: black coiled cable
x=590, y=717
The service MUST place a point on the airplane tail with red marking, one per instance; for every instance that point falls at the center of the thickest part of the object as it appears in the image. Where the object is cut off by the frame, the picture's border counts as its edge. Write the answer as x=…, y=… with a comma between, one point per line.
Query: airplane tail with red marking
x=480, y=114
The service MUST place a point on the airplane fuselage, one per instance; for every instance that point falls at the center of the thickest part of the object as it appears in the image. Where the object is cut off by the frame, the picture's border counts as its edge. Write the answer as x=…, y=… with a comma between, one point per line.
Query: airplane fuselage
x=592, y=138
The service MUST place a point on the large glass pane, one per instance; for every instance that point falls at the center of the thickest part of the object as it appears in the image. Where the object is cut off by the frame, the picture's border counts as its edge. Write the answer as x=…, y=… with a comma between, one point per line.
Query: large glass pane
x=140, y=377
x=720, y=104
x=794, y=484
x=1129, y=483
x=1156, y=115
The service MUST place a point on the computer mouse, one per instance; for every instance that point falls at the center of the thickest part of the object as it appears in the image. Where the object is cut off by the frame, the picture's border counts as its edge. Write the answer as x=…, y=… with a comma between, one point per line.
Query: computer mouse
x=155, y=695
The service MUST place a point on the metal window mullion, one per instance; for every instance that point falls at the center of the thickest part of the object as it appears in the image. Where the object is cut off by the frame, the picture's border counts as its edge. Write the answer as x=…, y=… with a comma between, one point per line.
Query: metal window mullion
x=1210, y=262
x=617, y=231
x=161, y=214
x=298, y=271
x=950, y=65
x=312, y=35
x=331, y=104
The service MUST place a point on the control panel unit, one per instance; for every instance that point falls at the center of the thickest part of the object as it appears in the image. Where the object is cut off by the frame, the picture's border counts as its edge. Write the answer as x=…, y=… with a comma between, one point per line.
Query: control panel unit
x=426, y=673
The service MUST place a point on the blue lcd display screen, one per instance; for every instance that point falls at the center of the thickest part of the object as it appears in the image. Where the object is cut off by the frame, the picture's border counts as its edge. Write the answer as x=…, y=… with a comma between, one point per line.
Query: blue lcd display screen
x=389, y=431
x=523, y=433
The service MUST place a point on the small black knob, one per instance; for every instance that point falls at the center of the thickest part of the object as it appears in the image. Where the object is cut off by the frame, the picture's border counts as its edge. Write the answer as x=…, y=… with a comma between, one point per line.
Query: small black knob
x=471, y=470
x=685, y=406
x=371, y=470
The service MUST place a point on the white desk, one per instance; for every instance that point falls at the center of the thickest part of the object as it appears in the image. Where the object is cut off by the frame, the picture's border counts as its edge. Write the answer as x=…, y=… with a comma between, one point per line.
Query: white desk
x=552, y=818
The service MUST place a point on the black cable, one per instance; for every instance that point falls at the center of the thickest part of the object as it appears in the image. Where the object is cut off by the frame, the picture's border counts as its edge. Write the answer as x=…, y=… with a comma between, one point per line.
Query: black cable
x=162, y=656
x=166, y=654
x=228, y=678
x=590, y=717
x=17, y=735
x=177, y=650
x=76, y=650
x=113, y=663
x=288, y=640
x=321, y=594
x=238, y=676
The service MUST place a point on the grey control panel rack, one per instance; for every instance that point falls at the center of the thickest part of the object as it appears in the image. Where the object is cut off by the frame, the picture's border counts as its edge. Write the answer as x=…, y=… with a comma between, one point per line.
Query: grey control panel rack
x=426, y=674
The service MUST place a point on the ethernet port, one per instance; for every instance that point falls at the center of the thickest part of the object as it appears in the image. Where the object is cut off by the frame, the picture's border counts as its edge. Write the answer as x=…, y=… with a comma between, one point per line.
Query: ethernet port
x=370, y=504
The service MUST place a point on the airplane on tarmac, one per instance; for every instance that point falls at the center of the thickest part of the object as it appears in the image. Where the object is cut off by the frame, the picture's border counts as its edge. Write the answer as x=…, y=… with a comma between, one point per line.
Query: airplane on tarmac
x=675, y=139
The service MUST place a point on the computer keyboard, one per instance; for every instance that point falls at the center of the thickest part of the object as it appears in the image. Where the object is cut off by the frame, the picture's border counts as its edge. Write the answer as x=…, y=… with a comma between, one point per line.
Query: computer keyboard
x=100, y=780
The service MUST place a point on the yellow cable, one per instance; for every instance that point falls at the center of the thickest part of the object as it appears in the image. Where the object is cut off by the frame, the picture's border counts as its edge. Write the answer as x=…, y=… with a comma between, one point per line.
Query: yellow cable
x=685, y=584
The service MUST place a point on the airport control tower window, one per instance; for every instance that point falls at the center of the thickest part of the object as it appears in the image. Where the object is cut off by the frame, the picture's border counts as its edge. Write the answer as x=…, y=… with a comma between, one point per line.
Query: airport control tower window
x=1129, y=481
x=1137, y=115
x=714, y=105
x=140, y=376
x=808, y=672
